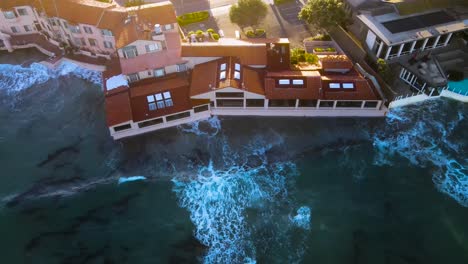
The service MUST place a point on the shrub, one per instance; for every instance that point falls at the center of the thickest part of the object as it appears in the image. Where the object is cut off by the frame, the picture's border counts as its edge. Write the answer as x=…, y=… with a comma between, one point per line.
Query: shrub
x=321, y=37
x=210, y=30
x=191, y=33
x=384, y=70
x=215, y=36
x=199, y=33
x=259, y=32
x=130, y=3
x=250, y=33
x=191, y=18
x=311, y=58
x=279, y=2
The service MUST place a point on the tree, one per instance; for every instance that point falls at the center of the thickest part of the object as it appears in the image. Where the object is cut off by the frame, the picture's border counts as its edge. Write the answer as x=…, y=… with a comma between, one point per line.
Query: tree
x=384, y=70
x=248, y=12
x=324, y=13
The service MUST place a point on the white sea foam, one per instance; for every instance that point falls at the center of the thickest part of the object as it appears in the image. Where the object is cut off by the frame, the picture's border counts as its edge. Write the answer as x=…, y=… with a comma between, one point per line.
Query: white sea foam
x=302, y=217
x=131, y=179
x=425, y=141
x=213, y=127
x=15, y=78
x=218, y=197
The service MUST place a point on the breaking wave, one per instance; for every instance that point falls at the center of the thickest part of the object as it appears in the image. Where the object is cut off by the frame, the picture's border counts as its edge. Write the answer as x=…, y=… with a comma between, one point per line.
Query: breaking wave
x=427, y=140
x=219, y=196
x=15, y=78
x=209, y=127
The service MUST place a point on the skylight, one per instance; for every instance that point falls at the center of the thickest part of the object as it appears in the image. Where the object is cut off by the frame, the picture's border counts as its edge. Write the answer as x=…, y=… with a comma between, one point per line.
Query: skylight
x=237, y=67
x=298, y=82
x=348, y=85
x=334, y=86
x=284, y=82
x=222, y=75
x=237, y=75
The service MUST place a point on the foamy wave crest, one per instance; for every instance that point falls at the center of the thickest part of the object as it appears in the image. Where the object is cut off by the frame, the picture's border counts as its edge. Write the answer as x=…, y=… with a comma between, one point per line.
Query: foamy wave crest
x=15, y=78
x=426, y=141
x=209, y=127
x=218, y=197
x=302, y=217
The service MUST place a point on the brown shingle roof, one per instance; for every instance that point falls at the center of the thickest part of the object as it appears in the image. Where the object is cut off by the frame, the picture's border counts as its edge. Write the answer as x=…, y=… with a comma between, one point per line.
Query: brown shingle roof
x=206, y=77
x=179, y=94
x=362, y=89
x=118, y=109
x=309, y=91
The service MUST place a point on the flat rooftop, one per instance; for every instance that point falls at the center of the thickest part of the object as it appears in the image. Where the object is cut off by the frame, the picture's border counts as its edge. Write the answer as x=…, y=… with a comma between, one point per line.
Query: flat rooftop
x=420, y=21
x=395, y=29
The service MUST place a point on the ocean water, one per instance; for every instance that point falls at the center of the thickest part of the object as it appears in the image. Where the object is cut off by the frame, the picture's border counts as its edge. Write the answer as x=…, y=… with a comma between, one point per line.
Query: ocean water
x=224, y=190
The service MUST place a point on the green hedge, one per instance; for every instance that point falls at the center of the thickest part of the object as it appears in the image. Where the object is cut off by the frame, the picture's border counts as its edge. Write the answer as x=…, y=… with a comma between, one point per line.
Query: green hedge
x=325, y=49
x=254, y=34
x=279, y=2
x=130, y=3
x=194, y=17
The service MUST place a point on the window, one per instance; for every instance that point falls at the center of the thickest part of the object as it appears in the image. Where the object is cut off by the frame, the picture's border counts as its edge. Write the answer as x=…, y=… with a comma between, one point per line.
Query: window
x=92, y=42
x=52, y=21
x=298, y=82
x=88, y=30
x=159, y=101
x=133, y=77
x=14, y=30
x=65, y=24
x=159, y=72
x=283, y=82
x=348, y=85
x=237, y=68
x=227, y=95
x=255, y=102
x=222, y=75
x=168, y=27
x=334, y=85
x=130, y=52
x=229, y=102
x=122, y=127
x=370, y=105
x=307, y=103
x=152, y=47
x=157, y=29
x=222, y=67
x=349, y=104
x=202, y=108
x=75, y=29
x=181, y=67
x=9, y=14
x=27, y=28
x=150, y=122
x=178, y=116
x=22, y=11
x=168, y=99
x=108, y=45
x=77, y=41
x=106, y=32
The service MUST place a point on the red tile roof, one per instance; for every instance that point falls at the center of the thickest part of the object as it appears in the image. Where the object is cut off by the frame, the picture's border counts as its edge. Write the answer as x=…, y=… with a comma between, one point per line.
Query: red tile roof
x=252, y=54
x=310, y=90
x=178, y=88
x=118, y=109
x=333, y=62
x=206, y=77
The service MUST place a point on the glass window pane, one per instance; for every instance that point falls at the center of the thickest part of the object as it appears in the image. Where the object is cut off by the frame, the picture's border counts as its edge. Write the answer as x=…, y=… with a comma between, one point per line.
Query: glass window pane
x=222, y=75
x=348, y=85
x=223, y=67
x=158, y=96
x=152, y=106
x=283, y=81
x=150, y=98
x=160, y=104
x=237, y=75
x=237, y=67
x=298, y=82
x=169, y=102
x=167, y=95
x=334, y=85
